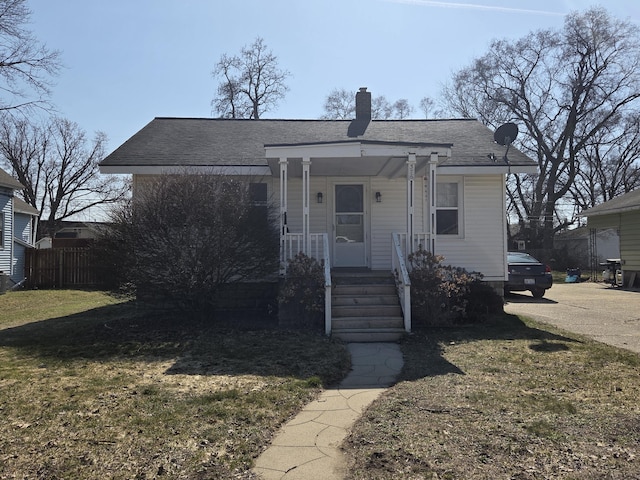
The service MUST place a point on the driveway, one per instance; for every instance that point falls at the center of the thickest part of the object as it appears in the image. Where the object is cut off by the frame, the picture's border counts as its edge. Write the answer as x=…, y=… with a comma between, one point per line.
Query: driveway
x=606, y=314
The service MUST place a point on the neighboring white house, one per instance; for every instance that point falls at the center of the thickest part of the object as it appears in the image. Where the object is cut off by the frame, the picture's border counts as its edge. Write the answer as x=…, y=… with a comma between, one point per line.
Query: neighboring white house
x=589, y=247
x=72, y=234
x=362, y=186
x=17, y=229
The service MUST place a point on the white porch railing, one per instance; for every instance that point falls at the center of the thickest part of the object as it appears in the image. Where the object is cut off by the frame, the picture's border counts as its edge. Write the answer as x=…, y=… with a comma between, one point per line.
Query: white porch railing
x=327, y=284
x=318, y=248
x=403, y=284
x=293, y=243
x=419, y=239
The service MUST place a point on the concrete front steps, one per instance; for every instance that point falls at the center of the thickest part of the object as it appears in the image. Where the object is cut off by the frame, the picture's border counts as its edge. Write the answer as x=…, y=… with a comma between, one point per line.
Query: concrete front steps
x=365, y=308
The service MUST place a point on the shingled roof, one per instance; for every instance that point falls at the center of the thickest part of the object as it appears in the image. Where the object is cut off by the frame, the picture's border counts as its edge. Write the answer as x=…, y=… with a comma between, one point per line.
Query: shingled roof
x=8, y=181
x=167, y=142
x=21, y=206
x=624, y=203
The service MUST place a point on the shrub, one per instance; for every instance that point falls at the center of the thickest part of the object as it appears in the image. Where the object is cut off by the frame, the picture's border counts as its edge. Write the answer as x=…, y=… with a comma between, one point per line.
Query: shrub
x=184, y=236
x=302, y=293
x=444, y=294
x=483, y=300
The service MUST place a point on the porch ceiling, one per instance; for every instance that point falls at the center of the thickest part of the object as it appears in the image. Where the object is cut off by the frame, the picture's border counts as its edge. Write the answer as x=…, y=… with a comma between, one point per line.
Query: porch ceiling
x=353, y=159
x=389, y=167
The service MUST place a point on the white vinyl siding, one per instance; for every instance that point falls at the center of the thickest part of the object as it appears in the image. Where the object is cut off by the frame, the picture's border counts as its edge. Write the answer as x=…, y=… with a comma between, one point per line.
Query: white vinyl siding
x=384, y=218
x=482, y=248
x=317, y=211
x=479, y=245
x=390, y=216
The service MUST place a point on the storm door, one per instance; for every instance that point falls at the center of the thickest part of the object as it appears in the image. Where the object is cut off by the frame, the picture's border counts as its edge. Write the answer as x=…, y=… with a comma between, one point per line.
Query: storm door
x=349, y=249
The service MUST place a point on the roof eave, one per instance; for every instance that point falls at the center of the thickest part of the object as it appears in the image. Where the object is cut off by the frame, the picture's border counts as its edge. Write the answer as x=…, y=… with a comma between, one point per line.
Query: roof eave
x=612, y=211
x=486, y=169
x=19, y=241
x=240, y=170
x=354, y=149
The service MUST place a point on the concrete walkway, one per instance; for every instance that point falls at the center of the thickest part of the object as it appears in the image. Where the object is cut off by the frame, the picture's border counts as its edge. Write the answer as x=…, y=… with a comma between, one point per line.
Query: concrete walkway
x=308, y=447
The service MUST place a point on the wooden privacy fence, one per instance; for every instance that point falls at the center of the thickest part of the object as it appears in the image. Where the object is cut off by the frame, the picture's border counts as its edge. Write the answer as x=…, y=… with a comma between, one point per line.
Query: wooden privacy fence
x=62, y=268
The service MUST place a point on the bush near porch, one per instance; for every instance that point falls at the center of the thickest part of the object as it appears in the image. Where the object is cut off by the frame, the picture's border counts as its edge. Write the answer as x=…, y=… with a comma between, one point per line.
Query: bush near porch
x=446, y=295
x=184, y=238
x=301, y=296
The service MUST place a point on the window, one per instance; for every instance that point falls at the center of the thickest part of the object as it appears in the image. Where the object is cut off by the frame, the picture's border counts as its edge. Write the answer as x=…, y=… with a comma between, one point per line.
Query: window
x=447, y=208
x=349, y=214
x=258, y=196
x=1, y=230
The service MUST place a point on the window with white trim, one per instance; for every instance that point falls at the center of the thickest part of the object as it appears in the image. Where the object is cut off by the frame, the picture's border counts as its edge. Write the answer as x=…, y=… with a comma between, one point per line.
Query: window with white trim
x=448, y=203
x=1, y=230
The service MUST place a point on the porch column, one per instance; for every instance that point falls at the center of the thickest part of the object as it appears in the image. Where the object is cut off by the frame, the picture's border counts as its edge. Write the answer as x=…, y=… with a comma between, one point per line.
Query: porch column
x=411, y=180
x=433, y=163
x=306, y=238
x=283, y=214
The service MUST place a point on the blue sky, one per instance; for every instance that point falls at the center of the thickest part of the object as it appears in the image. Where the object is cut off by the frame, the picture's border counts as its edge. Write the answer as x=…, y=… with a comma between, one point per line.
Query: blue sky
x=127, y=61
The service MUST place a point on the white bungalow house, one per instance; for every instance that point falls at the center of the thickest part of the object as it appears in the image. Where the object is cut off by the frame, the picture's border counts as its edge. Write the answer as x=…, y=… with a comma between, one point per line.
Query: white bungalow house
x=358, y=194
x=17, y=231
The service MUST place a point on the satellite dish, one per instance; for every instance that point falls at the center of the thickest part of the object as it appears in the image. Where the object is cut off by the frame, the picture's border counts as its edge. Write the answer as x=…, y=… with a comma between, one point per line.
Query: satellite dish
x=505, y=134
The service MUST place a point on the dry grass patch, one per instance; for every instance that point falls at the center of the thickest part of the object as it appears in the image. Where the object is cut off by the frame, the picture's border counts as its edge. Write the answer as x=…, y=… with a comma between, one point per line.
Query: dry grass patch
x=510, y=400
x=108, y=389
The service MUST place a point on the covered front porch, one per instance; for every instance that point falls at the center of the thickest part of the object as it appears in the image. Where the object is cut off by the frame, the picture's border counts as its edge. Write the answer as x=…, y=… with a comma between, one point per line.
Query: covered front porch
x=362, y=205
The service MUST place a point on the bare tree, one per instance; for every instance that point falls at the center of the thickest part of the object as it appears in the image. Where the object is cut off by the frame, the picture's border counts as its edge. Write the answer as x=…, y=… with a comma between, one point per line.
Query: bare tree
x=430, y=109
x=22, y=147
x=402, y=109
x=611, y=165
x=427, y=105
x=185, y=235
x=381, y=109
x=58, y=167
x=25, y=63
x=565, y=89
x=339, y=105
x=230, y=102
x=251, y=83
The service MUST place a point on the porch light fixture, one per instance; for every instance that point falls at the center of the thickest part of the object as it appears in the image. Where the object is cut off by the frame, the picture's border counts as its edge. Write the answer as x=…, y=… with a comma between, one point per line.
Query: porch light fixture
x=378, y=197
x=319, y=197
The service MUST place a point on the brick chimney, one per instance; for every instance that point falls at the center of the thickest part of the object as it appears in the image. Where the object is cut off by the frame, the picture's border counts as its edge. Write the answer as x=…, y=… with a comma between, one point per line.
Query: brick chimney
x=363, y=104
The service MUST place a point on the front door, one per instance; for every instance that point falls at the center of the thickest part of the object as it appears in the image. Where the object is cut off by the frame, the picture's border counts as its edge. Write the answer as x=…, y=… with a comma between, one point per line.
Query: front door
x=349, y=249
